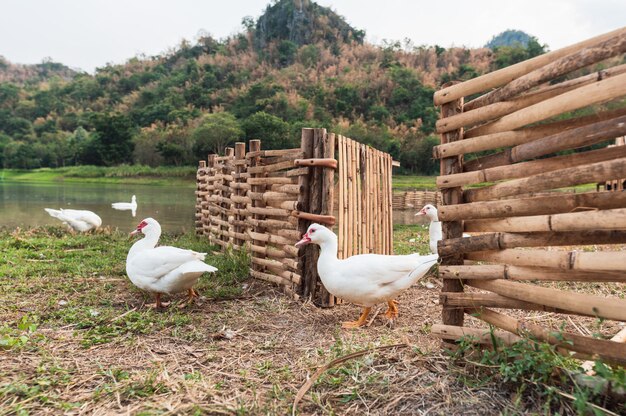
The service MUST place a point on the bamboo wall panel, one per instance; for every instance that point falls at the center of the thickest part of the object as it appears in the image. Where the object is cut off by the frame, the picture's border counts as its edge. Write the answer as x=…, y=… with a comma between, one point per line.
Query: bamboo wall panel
x=263, y=201
x=415, y=199
x=517, y=209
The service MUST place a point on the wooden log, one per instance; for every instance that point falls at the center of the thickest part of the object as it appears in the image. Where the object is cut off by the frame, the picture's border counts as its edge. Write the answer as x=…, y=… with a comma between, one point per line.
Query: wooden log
x=322, y=219
x=291, y=234
x=294, y=153
x=473, y=143
x=268, y=277
x=365, y=225
x=566, y=260
x=553, y=204
x=570, y=139
x=584, y=96
x=506, y=75
x=493, y=300
x=277, y=196
x=597, y=347
x=591, y=173
x=342, y=207
x=296, y=172
x=499, y=241
x=521, y=170
x=271, y=223
x=588, y=365
x=489, y=112
x=511, y=272
x=267, y=251
x=580, y=303
x=240, y=199
x=288, y=189
x=452, y=196
x=271, y=168
x=612, y=219
x=306, y=255
x=292, y=251
x=390, y=204
x=271, y=212
x=275, y=180
x=579, y=59
x=268, y=238
x=478, y=335
x=327, y=163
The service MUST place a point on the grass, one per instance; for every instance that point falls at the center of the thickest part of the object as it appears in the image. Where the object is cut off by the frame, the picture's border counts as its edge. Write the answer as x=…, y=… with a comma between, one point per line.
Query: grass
x=410, y=182
x=76, y=337
x=128, y=174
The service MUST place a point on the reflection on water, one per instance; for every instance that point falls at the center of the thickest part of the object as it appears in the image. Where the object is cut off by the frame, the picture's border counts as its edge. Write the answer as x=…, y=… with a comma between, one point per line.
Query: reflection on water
x=22, y=204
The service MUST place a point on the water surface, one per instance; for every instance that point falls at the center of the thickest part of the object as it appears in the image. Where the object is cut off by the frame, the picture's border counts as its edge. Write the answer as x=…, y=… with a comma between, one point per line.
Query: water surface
x=22, y=204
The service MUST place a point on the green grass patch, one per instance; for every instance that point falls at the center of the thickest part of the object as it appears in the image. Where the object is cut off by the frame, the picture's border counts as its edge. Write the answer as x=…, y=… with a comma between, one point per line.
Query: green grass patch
x=419, y=183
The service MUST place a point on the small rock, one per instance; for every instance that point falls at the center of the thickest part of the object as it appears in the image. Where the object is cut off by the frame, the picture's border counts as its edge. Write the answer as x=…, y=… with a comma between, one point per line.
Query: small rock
x=62, y=302
x=429, y=285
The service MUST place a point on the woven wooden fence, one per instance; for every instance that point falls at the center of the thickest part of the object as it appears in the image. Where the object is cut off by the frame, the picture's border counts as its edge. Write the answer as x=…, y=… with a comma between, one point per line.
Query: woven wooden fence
x=527, y=123
x=264, y=200
x=415, y=199
x=614, y=184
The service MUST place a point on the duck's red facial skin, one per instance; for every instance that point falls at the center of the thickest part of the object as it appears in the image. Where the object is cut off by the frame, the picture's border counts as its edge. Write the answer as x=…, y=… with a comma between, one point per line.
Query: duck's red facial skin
x=306, y=239
x=140, y=227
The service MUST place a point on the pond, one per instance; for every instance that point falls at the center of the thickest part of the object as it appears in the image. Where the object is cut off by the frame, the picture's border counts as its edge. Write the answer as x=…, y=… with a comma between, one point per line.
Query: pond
x=22, y=204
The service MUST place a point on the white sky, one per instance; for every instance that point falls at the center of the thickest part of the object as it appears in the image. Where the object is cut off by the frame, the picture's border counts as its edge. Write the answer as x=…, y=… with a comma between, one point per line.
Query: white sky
x=87, y=34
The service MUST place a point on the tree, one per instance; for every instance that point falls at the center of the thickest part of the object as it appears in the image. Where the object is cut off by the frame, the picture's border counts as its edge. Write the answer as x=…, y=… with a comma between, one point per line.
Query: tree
x=273, y=131
x=113, y=138
x=215, y=132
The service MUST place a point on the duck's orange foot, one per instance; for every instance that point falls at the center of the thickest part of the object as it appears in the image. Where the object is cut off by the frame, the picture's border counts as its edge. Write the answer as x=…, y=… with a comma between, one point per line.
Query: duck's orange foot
x=392, y=311
x=191, y=297
x=360, y=322
x=158, y=305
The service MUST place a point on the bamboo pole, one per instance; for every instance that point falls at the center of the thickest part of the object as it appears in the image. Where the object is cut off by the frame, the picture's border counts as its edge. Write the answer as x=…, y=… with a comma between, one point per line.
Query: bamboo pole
x=341, y=186
x=473, y=143
x=571, y=139
x=499, y=241
x=390, y=202
x=533, y=167
x=327, y=173
x=612, y=219
x=358, y=223
x=493, y=300
x=511, y=272
x=590, y=173
x=555, y=203
x=350, y=207
x=565, y=260
x=584, y=96
x=581, y=303
x=597, y=347
x=452, y=196
x=505, y=75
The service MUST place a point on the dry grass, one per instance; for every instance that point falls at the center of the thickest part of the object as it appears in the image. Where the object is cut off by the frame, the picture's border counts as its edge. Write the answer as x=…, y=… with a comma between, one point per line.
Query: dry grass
x=94, y=348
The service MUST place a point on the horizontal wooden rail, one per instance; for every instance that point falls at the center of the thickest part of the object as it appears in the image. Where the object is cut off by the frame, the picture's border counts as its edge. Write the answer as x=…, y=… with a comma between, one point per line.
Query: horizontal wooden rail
x=326, y=163
x=567, y=260
x=591, y=173
x=505, y=75
x=500, y=241
x=322, y=219
x=478, y=335
x=608, y=350
x=581, y=303
x=510, y=272
x=552, y=204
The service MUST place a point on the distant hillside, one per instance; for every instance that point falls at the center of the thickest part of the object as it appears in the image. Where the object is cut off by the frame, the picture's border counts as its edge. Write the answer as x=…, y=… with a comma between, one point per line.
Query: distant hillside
x=21, y=74
x=298, y=65
x=509, y=38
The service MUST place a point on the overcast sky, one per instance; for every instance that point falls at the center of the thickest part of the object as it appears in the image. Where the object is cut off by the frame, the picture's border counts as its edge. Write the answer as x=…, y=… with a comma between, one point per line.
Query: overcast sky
x=87, y=34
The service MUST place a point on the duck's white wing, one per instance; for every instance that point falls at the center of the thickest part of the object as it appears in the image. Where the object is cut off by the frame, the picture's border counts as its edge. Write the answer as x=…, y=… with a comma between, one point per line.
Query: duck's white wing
x=383, y=269
x=82, y=215
x=160, y=261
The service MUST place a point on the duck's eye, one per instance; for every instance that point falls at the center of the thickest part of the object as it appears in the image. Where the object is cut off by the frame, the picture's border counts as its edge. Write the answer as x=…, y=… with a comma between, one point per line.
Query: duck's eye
x=313, y=230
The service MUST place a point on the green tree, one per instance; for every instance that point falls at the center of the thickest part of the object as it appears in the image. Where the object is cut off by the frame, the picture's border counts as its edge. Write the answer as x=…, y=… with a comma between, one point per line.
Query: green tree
x=273, y=131
x=215, y=132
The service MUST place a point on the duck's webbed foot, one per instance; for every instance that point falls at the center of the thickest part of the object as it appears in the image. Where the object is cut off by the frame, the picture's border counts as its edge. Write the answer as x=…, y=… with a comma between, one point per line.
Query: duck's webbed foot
x=158, y=305
x=360, y=322
x=192, y=294
x=392, y=310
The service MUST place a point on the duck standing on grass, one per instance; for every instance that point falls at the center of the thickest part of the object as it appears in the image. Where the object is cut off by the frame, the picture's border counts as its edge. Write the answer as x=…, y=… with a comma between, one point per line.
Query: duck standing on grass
x=365, y=279
x=434, y=229
x=77, y=219
x=163, y=269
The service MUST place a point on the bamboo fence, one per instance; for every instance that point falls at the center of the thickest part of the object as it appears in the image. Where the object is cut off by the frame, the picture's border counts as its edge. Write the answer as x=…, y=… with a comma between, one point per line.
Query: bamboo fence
x=615, y=184
x=264, y=200
x=415, y=199
x=527, y=121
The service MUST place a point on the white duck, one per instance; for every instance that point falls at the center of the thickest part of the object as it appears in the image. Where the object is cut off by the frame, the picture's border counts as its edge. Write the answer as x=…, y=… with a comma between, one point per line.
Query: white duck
x=435, y=232
x=365, y=279
x=126, y=206
x=77, y=219
x=163, y=269
x=434, y=229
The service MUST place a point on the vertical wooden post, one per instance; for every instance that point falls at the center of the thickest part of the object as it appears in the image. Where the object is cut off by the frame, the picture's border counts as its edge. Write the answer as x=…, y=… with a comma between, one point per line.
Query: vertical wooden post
x=306, y=254
x=240, y=157
x=327, y=151
x=452, y=196
x=226, y=193
x=255, y=146
x=208, y=221
x=200, y=194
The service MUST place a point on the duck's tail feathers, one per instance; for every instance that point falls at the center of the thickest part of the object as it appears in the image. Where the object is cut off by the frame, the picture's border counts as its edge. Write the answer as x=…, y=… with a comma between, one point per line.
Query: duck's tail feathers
x=426, y=263
x=196, y=266
x=53, y=212
x=199, y=256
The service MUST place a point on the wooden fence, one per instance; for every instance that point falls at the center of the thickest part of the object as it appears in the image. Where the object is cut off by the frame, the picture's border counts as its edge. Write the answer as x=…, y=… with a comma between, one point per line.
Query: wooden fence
x=527, y=123
x=415, y=199
x=614, y=184
x=264, y=200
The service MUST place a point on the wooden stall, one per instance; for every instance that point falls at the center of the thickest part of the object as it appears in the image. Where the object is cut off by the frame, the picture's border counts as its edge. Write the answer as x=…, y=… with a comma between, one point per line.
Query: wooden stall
x=539, y=126
x=264, y=200
x=415, y=199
